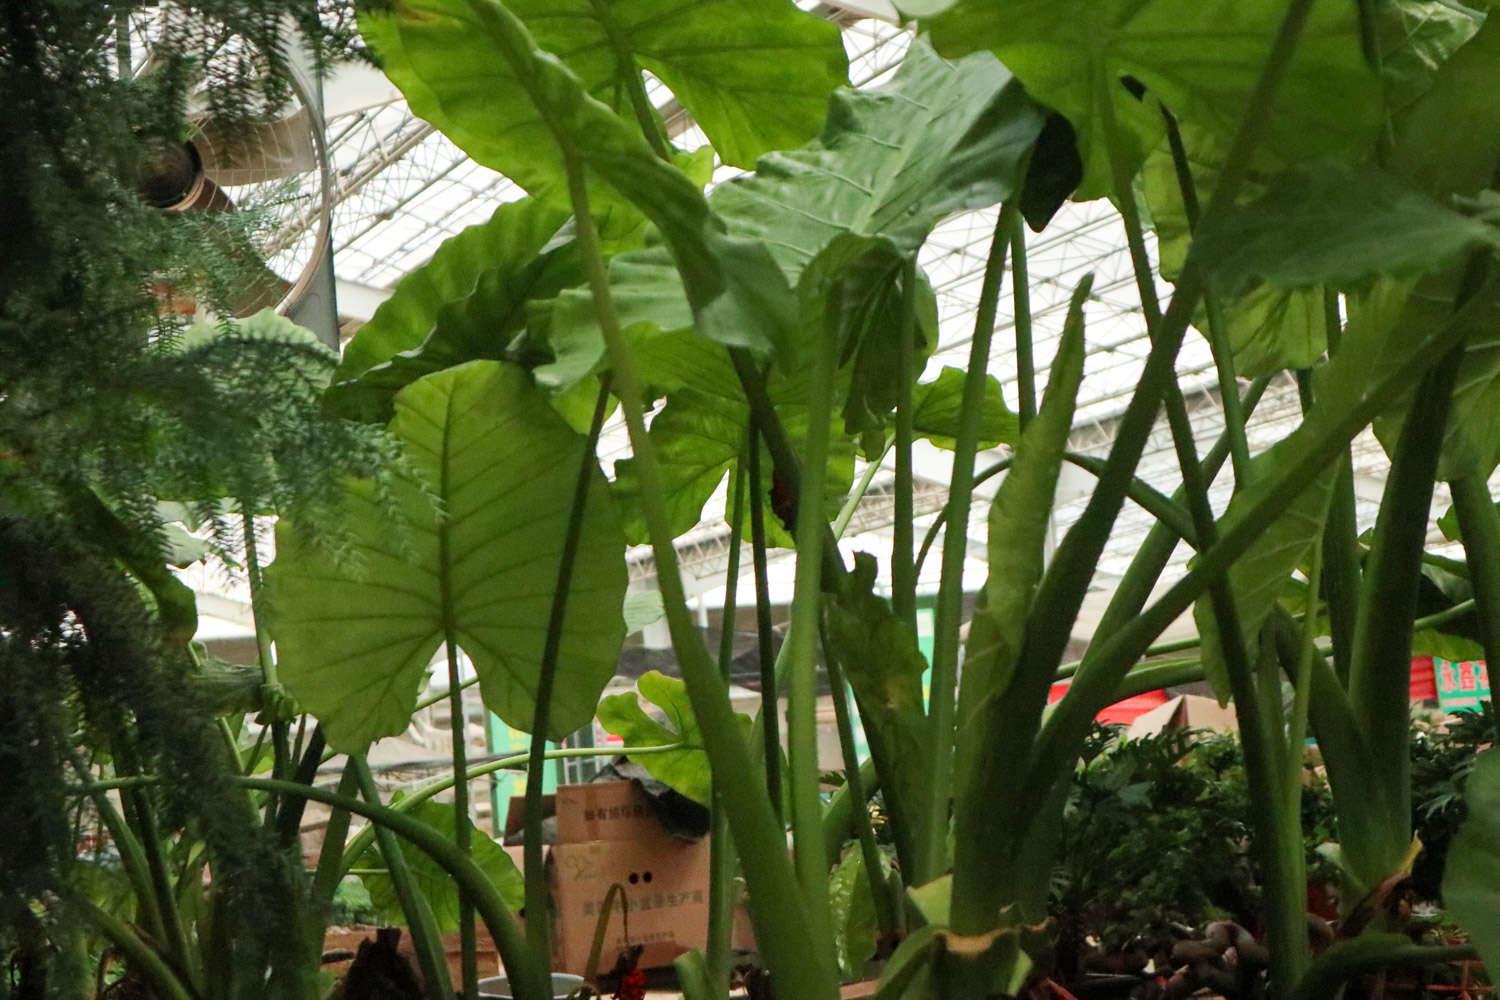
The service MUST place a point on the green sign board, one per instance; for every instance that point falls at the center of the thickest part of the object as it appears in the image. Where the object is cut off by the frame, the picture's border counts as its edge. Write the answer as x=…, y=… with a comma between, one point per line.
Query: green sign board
x=1461, y=686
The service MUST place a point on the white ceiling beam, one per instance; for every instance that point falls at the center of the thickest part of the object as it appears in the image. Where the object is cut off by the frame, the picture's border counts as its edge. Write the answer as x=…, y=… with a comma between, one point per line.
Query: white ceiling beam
x=352, y=87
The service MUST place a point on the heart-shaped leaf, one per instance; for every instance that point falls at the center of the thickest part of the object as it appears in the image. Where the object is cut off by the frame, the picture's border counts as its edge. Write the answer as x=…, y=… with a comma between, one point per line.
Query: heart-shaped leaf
x=356, y=634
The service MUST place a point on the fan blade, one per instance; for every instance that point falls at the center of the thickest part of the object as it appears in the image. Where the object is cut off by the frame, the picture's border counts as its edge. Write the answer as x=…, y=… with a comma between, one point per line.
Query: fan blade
x=253, y=152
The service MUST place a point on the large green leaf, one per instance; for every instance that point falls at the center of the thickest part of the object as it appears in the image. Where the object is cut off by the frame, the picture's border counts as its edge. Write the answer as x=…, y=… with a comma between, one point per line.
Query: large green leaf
x=1332, y=224
x=1471, y=878
x=699, y=436
x=356, y=633
x=685, y=770
x=1448, y=141
x=884, y=666
x=433, y=881
x=473, y=69
x=1416, y=39
x=463, y=304
x=506, y=242
x=941, y=137
x=754, y=76
x=1201, y=58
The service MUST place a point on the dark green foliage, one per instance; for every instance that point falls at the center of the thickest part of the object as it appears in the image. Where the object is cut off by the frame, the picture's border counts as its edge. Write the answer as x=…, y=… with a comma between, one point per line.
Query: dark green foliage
x=1441, y=758
x=106, y=408
x=1154, y=839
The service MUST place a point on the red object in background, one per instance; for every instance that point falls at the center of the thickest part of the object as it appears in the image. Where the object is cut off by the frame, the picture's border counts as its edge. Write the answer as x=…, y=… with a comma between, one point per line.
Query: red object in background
x=632, y=986
x=1121, y=713
x=1423, y=681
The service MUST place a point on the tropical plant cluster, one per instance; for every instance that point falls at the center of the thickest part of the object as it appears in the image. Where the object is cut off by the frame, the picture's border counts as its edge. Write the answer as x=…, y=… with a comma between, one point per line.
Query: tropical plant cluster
x=1314, y=183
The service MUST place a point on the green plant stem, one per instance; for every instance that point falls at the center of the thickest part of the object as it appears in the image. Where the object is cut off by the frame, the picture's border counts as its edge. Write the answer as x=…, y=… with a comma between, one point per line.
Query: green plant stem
x=770, y=714
x=1341, y=575
x=885, y=906
x=132, y=856
x=1479, y=523
x=141, y=956
x=1277, y=832
x=1130, y=634
x=1066, y=581
x=136, y=808
x=857, y=494
x=942, y=701
x=783, y=456
x=538, y=896
x=525, y=969
x=721, y=859
x=1348, y=959
x=1020, y=290
x=458, y=724
x=1302, y=691
x=640, y=101
x=281, y=760
x=1166, y=510
x=421, y=924
x=1382, y=637
x=1218, y=338
x=803, y=961
x=330, y=869
x=903, y=572
x=802, y=641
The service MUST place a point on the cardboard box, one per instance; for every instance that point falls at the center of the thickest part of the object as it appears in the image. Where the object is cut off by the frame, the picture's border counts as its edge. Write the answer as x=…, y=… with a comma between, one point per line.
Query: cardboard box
x=665, y=884
x=1184, y=711
x=605, y=810
x=608, y=835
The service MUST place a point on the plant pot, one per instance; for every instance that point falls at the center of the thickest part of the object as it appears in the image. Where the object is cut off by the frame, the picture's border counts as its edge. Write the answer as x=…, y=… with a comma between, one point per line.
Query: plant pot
x=498, y=987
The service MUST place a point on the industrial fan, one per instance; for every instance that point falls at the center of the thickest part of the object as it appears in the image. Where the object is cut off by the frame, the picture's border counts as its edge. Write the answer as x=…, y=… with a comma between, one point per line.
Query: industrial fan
x=258, y=181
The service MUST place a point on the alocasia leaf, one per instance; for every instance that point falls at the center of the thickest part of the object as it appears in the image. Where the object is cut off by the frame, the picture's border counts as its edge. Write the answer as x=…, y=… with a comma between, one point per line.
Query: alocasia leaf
x=506, y=242
x=1471, y=878
x=473, y=69
x=356, y=632
x=1076, y=55
x=466, y=303
x=1416, y=39
x=685, y=770
x=1333, y=224
x=754, y=76
x=1448, y=141
x=941, y=137
x=434, y=882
